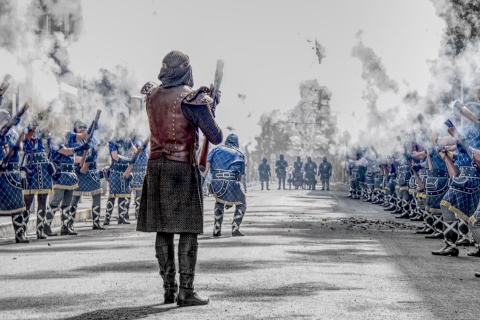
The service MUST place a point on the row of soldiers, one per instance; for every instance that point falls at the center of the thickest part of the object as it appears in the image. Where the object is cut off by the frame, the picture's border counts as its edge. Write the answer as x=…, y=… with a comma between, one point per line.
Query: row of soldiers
x=436, y=179
x=300, y=174
x=65, y=173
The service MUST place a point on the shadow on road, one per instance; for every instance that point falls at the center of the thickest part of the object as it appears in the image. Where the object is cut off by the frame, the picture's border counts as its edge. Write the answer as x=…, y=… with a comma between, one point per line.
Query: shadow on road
x=124, y=313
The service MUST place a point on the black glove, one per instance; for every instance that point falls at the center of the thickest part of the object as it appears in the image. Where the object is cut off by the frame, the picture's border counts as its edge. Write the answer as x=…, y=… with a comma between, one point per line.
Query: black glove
x=82, y=147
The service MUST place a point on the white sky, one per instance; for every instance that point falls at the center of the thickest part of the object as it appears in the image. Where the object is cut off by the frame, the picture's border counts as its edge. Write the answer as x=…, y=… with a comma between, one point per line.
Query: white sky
x=264, y=45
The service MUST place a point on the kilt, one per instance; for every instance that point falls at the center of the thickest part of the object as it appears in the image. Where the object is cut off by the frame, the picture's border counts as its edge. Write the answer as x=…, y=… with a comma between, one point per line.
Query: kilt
x=228, y=191
x=118, y=185
x=68, y=179
x=11, y=192
x=88, y=183
x=172, y=199
x=462, y=196
x=139, y=173
x=40, y=182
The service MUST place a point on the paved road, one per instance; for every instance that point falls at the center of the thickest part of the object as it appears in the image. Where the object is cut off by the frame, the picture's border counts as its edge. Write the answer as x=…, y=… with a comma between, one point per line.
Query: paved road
x=306, y=255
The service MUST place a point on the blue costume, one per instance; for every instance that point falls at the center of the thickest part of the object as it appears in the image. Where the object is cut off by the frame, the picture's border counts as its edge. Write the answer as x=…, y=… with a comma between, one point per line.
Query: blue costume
x=463, y=195
x=281, y=171
x=88, y=182
x=39, y=180
x=65, y=179
x=119, y=185
x=227, y=163
x=11, y=192
x=310, y=172
x=139, y=171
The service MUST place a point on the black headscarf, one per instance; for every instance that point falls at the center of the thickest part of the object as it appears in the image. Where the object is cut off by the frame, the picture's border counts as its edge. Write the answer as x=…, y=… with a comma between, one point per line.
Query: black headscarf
x=176, y=70
x=232, y=141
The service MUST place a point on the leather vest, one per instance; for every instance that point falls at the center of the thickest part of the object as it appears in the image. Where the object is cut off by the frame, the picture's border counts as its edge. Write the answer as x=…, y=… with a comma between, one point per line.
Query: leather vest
x=172, y=135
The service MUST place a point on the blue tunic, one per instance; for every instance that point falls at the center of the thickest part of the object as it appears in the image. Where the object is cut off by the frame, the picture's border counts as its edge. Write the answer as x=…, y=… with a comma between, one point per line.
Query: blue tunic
x=39, y=180
x=88, y=183
x=140, y=169
x=67, y=180
x=463, y=195
x=119, y=186
x=226, y=163
x=11, y=192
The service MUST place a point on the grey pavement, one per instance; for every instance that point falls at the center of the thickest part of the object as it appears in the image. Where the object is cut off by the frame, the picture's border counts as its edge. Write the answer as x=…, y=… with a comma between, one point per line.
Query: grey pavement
x=306, y=255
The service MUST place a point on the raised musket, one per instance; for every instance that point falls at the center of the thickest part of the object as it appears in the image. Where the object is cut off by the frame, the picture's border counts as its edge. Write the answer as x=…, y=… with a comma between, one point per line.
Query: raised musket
x=127, y=172
x=202, y=160
x=91, y=131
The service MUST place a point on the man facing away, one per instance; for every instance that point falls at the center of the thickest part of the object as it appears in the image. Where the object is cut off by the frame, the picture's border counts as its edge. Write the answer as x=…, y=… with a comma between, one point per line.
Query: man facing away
x=172, y=200
x=227, y=164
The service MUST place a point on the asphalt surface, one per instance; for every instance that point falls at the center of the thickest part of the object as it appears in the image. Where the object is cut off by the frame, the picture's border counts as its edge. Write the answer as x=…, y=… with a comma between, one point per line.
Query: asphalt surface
x=306, y=255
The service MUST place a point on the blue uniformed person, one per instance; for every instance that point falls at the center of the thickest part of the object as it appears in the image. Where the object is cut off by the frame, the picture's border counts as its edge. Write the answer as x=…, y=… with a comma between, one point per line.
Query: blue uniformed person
x=139, y=171
x=310, y=173
x=227, y=164
x=11, y=192
x=281, y=171
x=88, y=178
x=119, y=175
x=62, y=150
x=325, y=172
x=264, y=172
x=39, y=171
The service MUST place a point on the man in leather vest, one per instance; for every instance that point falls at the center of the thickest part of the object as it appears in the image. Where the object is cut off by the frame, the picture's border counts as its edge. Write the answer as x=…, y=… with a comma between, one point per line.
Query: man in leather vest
x=172, y=200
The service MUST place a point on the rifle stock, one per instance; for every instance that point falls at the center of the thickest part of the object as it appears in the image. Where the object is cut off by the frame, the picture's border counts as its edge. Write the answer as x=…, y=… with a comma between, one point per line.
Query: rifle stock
x=130, y=165
x=202, y=160
x=83, y=165
x=417, y=177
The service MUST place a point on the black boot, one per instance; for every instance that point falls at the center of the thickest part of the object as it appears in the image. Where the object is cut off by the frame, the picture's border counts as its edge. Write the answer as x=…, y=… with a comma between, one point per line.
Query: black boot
x=109, y=211
x=17, y=220
x=166, y=261
x=447, y=250
x=187, y=259
x=26, y=219
x=218, y=219
x=237, y=220
x=123, y=211
x=40, y=224
x=96, y=218
x=47, y=226
x=65, y=230
x=72, y=213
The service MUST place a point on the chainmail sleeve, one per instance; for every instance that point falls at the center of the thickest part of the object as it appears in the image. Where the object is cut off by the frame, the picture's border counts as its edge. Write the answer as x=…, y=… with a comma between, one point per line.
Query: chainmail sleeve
x=201, y=116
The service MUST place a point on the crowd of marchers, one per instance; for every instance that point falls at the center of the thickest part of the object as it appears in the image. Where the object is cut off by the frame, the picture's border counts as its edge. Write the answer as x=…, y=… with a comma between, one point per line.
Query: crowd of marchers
x=435, y=178
x=300, y=175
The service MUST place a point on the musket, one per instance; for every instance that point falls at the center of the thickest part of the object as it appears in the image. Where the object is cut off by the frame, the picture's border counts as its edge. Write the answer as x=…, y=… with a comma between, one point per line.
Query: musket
x=130, y=165
x=5, y=84
x=14, y=121
x=451, y=168
x=91, y=131
x=464, y=111
x=202, y=160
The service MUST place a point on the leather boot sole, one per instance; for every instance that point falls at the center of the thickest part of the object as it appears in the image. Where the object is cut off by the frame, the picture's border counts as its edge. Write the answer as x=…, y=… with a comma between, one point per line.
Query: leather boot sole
x=449, y=252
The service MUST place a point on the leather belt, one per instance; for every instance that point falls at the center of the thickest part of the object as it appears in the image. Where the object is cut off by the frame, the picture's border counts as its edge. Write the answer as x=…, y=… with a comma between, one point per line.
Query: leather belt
x=67, y=167
x=224, y=174
x=12, y=166
x=437, y=173
x=469, y=172
x=121, y=167
x=91, y=166
x=37, y=157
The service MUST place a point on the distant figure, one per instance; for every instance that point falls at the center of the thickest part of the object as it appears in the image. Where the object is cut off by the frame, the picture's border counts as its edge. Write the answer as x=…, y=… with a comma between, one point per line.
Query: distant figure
x=298, y=173
x=325, y=172
x=310, y=173
x=264, y=172
x=281, y=171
